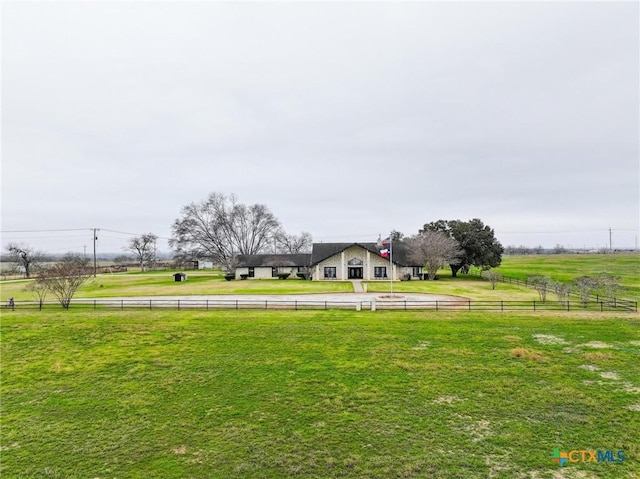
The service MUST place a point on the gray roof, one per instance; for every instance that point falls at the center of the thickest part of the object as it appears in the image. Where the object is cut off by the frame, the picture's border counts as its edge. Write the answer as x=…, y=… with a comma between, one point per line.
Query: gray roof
x=272, y=260
x=322, y=251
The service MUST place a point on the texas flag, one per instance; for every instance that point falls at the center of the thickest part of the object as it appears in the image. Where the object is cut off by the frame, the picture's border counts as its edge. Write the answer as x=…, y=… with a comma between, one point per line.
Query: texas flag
x=384, y=253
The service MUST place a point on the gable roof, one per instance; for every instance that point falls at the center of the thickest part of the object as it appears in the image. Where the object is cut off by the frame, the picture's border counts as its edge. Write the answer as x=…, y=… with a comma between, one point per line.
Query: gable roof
x=322, y=251
x=272, y=260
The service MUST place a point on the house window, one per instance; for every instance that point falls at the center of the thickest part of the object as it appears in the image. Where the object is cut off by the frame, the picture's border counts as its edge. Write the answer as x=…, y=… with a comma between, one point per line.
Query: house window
x=252, y=272
x=274, y=272
x=380, y=272
x=329, y=271
x=417, y=270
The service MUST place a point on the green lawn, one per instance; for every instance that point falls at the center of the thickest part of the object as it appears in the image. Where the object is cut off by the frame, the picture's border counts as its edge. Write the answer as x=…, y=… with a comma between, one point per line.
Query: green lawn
x=198, y=283
x=465, y=286
x=316, y=394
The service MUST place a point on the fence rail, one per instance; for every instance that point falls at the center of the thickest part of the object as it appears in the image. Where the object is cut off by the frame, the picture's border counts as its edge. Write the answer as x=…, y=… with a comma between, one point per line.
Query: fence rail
x=270, y=304
x=527, y=284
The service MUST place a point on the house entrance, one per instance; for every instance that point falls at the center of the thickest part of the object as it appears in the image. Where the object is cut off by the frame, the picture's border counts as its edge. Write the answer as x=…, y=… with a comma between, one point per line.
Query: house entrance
x=355, y=273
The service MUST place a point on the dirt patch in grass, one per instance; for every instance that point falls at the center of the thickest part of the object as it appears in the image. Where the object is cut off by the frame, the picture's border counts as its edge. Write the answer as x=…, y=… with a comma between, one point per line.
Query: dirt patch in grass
x=421, y=345
x=447, y=399
x=589, y=367
x=597, y=345
x=478, y=430
x=634, y=407
x=180, y=450
x=525, y=353
x=610, y=375
x=597, y=356
x=630, y=388
x=549, y=339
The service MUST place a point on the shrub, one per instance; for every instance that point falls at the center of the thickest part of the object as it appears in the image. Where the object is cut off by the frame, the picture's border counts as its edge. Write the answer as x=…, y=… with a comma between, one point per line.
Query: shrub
x=283, y=275
x=229, y=276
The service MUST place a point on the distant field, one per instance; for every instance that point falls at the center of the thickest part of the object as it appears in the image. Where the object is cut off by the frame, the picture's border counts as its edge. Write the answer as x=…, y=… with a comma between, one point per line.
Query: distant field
x=261, y=394
x=568, y=267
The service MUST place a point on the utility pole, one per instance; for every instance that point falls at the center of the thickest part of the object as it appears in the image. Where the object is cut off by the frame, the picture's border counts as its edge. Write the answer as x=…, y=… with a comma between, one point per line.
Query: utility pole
x=95, y=261
x=610, y=245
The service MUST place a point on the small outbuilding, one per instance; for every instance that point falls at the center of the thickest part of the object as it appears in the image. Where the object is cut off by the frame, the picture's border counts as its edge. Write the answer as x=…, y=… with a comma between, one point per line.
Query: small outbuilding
x=178, y=277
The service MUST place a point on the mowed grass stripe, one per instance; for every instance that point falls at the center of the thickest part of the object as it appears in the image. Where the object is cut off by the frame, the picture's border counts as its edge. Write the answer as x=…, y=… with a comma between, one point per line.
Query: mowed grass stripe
x=315, y=394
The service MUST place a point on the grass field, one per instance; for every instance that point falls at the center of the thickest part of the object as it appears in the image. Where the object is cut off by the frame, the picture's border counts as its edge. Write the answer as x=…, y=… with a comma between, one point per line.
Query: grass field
x=471, y=287
x=317, y=394
x=158, y=284
x=567, y=267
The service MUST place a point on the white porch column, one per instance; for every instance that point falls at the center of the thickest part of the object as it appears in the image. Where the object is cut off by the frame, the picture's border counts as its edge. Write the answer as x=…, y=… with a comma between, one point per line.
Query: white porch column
x=343, y=276
x=367, y=274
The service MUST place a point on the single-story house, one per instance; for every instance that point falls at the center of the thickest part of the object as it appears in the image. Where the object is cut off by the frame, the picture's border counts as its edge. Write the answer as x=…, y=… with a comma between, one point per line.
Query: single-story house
x=333, y=262
x=270, y=265
x=366, y=261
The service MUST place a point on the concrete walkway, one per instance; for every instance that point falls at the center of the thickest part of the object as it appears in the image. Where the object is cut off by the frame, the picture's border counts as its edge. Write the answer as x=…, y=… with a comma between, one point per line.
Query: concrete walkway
x=357, y=286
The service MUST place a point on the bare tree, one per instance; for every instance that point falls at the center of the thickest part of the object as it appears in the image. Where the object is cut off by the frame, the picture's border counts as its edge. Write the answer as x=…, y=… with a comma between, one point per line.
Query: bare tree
x=9, y=271
x=25, y=257
x=123, y=260
x=39, y=290
x=433, y=249
x=541, y=285
x=562, y=291
x=492, y=276
x=143, y=248
x=585, y=285
x=64, y=278
x=219, y=228
x=610, y=285
x=293, y=244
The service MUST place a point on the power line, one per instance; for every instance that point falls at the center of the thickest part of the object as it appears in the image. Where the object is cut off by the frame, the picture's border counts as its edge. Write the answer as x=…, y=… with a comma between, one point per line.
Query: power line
x=45, y=231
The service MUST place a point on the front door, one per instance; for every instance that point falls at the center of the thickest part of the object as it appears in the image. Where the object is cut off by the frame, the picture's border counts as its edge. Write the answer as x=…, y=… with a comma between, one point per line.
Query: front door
x=355, y=273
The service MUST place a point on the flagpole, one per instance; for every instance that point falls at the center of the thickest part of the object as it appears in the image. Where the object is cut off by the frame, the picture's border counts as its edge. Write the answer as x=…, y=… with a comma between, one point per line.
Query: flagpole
x=391, y=263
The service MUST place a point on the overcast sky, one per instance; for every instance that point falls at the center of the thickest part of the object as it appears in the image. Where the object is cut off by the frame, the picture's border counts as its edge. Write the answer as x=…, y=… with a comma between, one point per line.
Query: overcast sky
x=346, y=119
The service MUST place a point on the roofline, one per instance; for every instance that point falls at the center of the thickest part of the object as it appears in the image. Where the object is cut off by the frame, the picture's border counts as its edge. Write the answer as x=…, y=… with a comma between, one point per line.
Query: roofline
x=349, y=245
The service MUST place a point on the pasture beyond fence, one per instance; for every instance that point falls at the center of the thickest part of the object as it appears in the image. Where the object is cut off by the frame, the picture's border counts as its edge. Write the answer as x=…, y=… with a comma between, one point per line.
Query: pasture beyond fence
x=372, y=305
x=595, y=297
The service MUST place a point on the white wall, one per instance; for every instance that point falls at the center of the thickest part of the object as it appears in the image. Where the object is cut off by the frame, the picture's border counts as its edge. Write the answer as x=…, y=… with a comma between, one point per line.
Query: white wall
x=340, y=260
